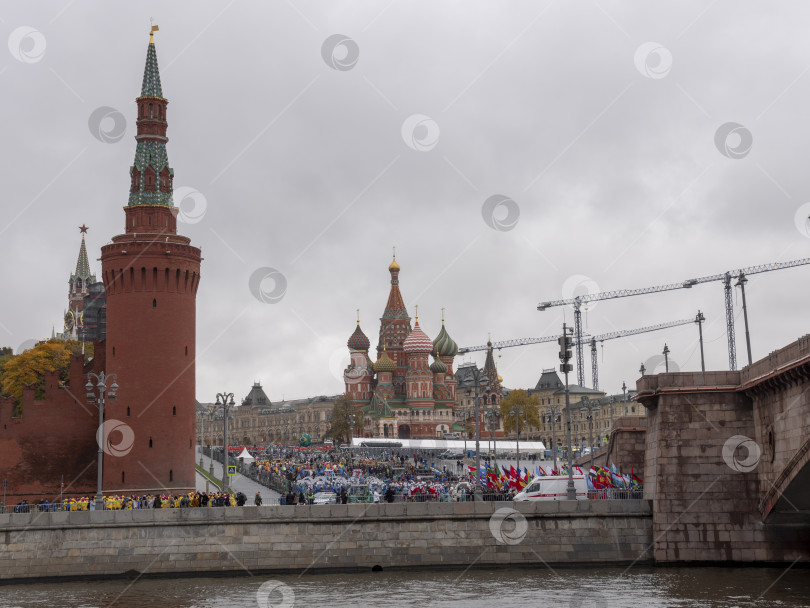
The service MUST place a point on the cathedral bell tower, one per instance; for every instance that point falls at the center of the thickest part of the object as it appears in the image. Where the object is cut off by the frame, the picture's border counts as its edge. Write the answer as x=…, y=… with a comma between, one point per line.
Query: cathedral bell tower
x=151, y=275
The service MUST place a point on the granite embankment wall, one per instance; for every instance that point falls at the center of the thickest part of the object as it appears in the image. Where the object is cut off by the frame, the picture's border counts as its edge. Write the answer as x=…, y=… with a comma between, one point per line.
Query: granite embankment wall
x=321, y=537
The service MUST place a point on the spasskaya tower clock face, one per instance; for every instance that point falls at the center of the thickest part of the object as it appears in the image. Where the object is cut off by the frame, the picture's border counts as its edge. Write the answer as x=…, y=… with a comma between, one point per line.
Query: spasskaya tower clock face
x=70, y=320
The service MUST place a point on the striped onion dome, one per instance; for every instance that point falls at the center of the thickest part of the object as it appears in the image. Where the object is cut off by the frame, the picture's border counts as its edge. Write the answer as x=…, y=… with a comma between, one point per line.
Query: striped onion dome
x=438, y=367
x=445, y=345
x=384, y=363
x=417, y=341
x=358, y=340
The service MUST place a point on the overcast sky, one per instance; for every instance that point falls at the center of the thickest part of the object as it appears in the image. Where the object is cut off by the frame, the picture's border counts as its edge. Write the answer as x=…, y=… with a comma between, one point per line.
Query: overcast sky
x=312, y=137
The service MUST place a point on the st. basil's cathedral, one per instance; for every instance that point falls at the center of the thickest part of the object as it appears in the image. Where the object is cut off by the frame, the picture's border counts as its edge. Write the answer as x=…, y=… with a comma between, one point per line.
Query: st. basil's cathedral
x=401, y=394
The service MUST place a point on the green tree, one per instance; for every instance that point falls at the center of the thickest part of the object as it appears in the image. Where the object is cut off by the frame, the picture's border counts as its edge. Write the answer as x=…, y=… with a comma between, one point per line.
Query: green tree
x=519, y=405
x=30, y=366
x=344, y=408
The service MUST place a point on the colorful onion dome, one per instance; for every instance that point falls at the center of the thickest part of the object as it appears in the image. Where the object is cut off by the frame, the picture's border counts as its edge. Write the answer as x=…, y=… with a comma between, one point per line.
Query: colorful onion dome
x=438, y=367
x=358, y=340
x=417, y=341
x=500, y=379
x=445, y=345
x=384, y=363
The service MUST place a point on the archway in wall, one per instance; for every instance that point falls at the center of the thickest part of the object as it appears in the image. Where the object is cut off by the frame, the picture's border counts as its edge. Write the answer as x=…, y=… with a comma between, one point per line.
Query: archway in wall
x=404, y=431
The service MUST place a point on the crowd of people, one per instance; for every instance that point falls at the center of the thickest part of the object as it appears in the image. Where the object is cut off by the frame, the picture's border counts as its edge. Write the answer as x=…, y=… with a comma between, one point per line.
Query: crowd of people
x=156, y=501
x=364, y=476
x=367, y=475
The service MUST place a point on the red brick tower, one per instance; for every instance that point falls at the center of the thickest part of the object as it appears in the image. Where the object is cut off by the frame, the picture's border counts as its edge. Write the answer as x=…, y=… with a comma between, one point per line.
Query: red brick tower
x=151, y=275
x=395, y=325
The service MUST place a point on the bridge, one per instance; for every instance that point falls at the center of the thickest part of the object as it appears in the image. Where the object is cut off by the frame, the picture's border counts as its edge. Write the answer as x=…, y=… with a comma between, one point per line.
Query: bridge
x=726, y=460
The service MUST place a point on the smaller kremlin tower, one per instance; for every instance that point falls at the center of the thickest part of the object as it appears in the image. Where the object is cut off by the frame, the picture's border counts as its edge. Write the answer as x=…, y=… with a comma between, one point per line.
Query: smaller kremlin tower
x=84, y=319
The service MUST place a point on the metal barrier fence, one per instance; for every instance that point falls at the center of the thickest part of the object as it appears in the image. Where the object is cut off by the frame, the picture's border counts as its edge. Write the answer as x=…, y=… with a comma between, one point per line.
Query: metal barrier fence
x=615, y=494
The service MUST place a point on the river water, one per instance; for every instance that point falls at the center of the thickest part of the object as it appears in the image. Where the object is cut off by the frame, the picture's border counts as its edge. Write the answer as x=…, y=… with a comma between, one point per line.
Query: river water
x=638, y=587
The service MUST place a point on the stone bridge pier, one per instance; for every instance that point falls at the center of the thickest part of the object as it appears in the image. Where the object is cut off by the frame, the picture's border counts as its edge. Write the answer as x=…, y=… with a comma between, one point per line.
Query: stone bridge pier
x=726, y=461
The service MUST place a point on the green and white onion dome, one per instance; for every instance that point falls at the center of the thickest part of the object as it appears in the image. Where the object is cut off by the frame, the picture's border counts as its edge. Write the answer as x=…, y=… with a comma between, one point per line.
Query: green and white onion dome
x=445, y=345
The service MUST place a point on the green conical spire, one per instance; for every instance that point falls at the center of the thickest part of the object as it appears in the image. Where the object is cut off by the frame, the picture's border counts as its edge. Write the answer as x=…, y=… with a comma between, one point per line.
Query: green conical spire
x=151, y=74
x=82, y=264
x=151, y=176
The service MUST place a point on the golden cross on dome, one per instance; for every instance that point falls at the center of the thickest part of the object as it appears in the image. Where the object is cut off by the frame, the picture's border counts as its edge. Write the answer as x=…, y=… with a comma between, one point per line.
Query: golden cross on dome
x=416, y=308
x=358, y=316
x=442, y=315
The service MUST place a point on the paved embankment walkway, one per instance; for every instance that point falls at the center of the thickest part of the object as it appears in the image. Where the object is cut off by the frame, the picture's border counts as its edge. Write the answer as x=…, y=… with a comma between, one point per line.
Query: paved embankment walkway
x=238, y=482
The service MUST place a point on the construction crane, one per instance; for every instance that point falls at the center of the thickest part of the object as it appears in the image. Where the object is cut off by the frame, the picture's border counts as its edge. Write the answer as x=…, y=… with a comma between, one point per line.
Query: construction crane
x=726, y=277
x=622, y=334
x=593, y=340
x=508, y=343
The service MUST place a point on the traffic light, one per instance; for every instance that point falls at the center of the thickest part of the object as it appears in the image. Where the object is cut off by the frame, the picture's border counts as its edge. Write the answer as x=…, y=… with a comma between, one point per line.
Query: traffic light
x=565, y=348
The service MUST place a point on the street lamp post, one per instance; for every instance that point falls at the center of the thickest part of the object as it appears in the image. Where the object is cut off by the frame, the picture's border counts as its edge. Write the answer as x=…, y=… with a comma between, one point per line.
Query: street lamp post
x=202, y=435
x=588, y=411
x=699, y=319
x=211, y=443
x=226, y=401
x=552, y=418
x=741, y=281
x=624, y=392
x=492, y=423
x=478, y=379
x=101, y=385
x=565, y=367
x=516, y=413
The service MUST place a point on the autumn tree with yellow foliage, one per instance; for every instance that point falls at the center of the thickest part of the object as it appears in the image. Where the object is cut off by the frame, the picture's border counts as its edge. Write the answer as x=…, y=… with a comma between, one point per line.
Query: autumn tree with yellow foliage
x=31, y=366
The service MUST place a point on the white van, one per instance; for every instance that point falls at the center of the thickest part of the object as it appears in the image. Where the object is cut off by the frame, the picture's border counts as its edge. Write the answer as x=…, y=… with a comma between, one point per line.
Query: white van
x=553, y=487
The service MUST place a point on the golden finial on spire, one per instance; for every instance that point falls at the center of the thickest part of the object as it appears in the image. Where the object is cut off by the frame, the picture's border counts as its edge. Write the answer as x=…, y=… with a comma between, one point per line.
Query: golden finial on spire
x=416, y=314
x=394, y=265
x=442, y=315
x=358, y=316
x=152, y=31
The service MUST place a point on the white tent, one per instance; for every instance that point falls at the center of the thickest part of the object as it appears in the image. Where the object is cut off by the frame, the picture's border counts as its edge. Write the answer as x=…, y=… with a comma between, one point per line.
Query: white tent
x=245, y=454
